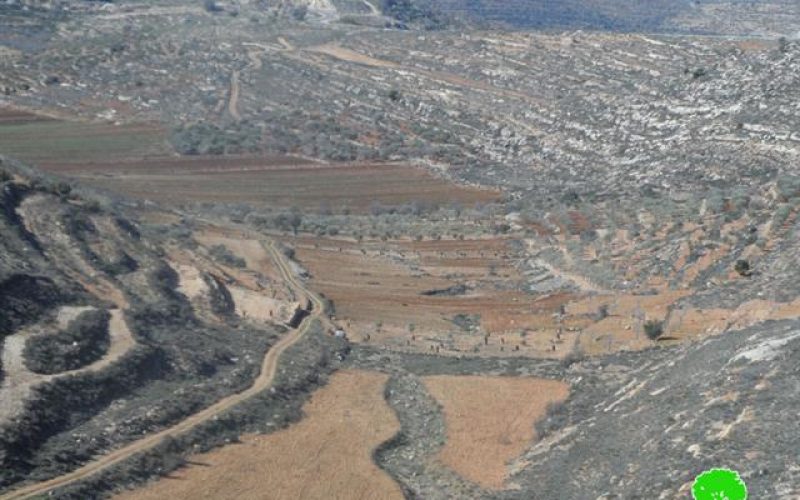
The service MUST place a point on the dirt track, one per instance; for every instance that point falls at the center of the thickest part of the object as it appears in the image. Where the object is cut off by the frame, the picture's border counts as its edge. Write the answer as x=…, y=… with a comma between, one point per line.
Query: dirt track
x=20, y=380
x=269, y=368
x=233, y=104
x=349, y=55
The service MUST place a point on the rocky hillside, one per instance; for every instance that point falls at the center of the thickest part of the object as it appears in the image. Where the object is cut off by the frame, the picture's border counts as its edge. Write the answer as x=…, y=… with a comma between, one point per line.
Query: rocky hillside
x=99, y=329
x=649, y=181
x=711, y=16
x=636, y=425
x=728, y=402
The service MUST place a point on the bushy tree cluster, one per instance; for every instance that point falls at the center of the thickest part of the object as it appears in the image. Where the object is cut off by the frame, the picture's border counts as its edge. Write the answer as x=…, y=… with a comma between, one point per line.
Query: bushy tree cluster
x=84, y=341
x=222, y=254
x=211, y=139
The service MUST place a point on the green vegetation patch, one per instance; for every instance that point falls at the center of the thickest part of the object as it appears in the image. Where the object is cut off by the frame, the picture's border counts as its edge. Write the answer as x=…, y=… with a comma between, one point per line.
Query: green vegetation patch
x=719, y=484
x=210, y=139
x=72, y=142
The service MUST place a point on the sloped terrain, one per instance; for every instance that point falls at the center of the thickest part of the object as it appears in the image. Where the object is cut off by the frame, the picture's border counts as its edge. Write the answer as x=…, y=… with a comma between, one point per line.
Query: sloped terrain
x=634, y=425
x=676, y=412
x=715, y=16
x=613, y=212
x=143, y=341
x=344, y=422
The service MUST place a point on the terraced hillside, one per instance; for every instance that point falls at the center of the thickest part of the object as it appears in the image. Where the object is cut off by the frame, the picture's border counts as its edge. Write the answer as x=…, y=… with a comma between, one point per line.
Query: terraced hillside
x=596, y=114
x=638, y=170
x=595, y=233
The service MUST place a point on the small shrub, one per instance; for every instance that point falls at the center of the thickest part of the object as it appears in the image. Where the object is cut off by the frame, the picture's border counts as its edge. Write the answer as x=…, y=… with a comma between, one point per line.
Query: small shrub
x=788, y=186
x=743, y=267
x=221, y=254
x=654, y=329
x=575, y=356
x=62, y=189
x=779, y=217
x=211, y=6
x=299, y=13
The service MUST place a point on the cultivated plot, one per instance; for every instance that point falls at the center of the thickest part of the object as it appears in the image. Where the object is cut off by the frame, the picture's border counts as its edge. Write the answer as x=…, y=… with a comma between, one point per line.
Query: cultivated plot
x=328, y=455
x=490, y=421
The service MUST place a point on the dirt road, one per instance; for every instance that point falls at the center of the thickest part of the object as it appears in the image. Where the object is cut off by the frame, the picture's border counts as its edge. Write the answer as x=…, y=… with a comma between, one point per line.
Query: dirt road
x=344, y=54
x=233, y=104
x=269, y=368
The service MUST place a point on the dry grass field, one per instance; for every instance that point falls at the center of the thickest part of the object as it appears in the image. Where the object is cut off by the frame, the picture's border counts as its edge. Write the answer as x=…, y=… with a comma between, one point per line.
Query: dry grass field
x=490, y=421
x=325, y=456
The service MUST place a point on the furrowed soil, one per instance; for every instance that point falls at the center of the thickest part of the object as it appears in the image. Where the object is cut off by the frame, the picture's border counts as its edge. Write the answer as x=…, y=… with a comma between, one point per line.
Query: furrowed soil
x=383, y=296
x=490, y=421
x=276, y=182
x=328, y=455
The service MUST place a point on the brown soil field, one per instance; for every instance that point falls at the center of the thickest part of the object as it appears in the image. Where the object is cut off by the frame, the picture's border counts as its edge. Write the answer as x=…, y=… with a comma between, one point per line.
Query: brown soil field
x=378, y=289
x=276, y=182
x=623, y=329
x=328, y=455
x=180, y=165
x=135, y=160
x=16, y=116
x=490, y=421
x=380, y=292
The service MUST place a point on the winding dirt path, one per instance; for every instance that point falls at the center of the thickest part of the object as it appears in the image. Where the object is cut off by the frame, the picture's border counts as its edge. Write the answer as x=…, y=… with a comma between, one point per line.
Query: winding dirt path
x=325, y=456
x=372, y=9
x=19, y=381
x=584, y=283
x=233, y=103
x=286, y=43
x=269, y=368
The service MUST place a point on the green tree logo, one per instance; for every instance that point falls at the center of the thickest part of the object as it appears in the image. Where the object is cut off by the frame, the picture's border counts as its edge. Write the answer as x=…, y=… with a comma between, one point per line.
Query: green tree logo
x=719, y=484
